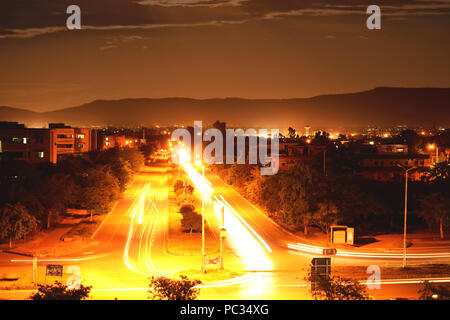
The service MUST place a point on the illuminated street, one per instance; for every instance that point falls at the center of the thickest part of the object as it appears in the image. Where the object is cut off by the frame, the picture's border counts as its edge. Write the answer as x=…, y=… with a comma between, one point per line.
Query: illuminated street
x=132, y=246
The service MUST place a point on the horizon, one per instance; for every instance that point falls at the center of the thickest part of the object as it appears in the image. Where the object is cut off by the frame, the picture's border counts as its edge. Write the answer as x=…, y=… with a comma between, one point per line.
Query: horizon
x=215, y=98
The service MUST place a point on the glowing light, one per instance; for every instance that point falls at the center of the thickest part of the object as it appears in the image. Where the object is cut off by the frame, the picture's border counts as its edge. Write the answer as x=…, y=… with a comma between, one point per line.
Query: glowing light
x=244, y=239
x=319, y=250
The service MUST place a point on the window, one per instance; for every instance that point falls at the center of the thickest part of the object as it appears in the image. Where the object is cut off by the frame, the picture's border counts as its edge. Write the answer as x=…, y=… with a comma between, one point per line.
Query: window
x=40, y=154
x=39, y=139
x=16, y=140
x=80, y=146
x=80, y=136
x=65, y=146
x=64, y=136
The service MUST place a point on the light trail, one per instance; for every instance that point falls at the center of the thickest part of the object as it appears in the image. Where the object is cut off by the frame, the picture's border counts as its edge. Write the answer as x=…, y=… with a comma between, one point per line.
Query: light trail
x=138, y=206
x=353, y=254
x=244, y=238
x=246, y=243
x=261, y=240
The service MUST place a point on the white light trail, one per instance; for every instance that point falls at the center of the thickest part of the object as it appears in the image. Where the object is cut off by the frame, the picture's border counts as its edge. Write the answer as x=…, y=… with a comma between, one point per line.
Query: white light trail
x=319, y=250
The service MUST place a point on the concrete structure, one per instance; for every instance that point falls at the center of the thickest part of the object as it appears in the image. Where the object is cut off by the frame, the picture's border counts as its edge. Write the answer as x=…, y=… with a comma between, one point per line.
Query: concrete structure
x=27, y=144
x=43, y=145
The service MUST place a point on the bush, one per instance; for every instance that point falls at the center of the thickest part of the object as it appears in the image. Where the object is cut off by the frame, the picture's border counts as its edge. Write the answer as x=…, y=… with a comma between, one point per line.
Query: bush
x=163, y=288
x=58, y=291
x=179, y=184
x=191, y=222
x=186, y=208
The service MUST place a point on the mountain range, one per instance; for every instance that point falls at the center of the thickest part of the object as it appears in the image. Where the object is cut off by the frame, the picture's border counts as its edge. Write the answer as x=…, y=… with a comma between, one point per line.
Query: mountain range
x=382, y=106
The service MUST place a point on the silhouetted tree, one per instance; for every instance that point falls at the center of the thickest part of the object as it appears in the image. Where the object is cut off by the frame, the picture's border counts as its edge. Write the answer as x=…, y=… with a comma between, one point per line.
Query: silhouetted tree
x=163, y=288
x=58, y=291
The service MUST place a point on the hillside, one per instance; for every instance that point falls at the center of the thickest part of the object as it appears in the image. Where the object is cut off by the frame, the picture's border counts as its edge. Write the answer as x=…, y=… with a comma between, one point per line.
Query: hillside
x=381, y=106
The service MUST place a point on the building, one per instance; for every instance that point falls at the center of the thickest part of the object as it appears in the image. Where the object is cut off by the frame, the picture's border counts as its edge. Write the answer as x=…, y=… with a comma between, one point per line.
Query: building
x=113, y=141
x=43, y=145
x=386, y=167
x=68, y=140
x=27, y=144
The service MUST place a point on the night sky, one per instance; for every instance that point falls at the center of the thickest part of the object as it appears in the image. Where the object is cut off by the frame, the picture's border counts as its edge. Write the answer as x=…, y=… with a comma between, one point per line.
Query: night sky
x=221, y=48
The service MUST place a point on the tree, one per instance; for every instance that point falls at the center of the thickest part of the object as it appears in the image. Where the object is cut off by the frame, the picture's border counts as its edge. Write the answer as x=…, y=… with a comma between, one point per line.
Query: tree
x=163, y=288
x=191, y=221
x=298, y=195
x=55, y=192
x=58, y=291
x=338, y=288
x=291, y=133
x=99, y=189
x=179, y=184
x=325, y=216
x=15, y=222
x=435, y=209
x=134, y=157
x=430, y=291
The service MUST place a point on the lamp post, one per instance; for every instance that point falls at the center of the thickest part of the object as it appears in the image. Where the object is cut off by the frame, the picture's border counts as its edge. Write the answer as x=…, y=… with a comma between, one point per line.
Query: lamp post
x=203, y=226
x=199, y=163
x=434, y=147
x=406, y=211
x=223, y=233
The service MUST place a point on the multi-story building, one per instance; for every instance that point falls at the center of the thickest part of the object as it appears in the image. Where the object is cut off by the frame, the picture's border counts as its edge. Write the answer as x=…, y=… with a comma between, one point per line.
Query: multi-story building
x=28, y=144
x=43, y=145
x=68, y=140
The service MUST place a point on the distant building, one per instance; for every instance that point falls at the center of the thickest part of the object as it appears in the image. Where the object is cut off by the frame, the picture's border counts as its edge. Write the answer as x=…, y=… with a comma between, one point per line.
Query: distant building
x=392, y=148
x=121, y=141
x=385, y=167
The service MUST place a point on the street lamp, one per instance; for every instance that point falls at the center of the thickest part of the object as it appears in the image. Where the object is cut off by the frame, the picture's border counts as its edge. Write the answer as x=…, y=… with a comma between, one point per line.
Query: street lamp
x=199, y=163
x=406, y=210
x=433, y=147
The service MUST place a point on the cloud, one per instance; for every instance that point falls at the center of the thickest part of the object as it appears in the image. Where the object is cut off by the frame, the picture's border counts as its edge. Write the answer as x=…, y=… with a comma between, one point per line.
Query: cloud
x=192, y=3
x=43, y=17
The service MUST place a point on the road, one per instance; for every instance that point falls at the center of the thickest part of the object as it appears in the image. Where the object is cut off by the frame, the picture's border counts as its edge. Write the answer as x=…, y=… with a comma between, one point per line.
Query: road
x=132, y=246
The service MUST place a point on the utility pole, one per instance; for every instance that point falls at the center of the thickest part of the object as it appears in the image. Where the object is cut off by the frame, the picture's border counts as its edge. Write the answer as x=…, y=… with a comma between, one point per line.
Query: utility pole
x=35, y=269
x=406, y=211
x=203, y=227
x=222, y=236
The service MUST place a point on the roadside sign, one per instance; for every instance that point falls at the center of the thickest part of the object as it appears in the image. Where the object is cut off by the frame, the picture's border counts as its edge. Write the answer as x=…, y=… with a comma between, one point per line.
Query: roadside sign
x=329, y=252
x=320, y=271
x=55, y=270
x=213, y=261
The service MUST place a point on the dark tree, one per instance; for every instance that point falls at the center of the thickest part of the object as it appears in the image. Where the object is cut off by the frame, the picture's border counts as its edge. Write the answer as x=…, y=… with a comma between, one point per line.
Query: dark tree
x=163, y=288
x=58, y=291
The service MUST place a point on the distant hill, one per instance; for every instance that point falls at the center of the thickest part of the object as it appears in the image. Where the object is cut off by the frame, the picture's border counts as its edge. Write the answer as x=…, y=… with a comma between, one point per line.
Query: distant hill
x=383, y=106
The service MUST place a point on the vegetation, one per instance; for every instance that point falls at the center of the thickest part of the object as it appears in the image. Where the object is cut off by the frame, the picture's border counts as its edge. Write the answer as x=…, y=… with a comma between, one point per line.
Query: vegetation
x=305, y=196
x=58, y=291
x=15, y=222
x=337, y=288
x=430, y=291
x=163, y=288
x=36, y=195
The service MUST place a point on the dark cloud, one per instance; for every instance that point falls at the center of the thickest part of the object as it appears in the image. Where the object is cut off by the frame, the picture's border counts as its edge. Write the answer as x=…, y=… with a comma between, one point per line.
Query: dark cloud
x=50, y=15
